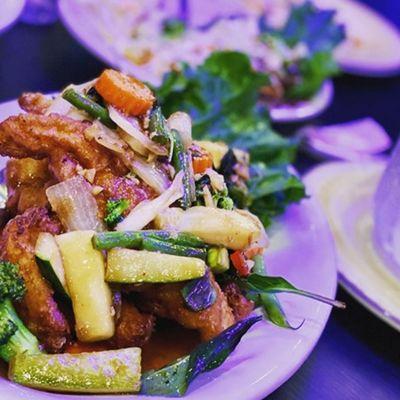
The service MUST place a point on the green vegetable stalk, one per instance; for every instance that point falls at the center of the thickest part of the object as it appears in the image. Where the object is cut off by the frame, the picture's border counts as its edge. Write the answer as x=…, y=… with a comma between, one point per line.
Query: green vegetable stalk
x=114, y=211
x=14, y=336
x=174, y=379
x=93, y=109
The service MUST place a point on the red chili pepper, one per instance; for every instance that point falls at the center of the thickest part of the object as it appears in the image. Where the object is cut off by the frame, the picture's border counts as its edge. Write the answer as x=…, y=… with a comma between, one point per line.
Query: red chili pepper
x=239, y=262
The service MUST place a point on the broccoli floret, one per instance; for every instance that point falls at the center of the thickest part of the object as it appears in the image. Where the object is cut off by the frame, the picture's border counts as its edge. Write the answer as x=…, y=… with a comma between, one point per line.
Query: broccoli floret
x=12, y=285
x=115, y=210
x=14, y=335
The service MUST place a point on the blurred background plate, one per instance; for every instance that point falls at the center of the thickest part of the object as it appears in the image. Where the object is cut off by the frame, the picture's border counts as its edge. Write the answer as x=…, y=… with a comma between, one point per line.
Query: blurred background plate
x=10, y=10
x=82, y=26
x=302, y=251
x=345, y=191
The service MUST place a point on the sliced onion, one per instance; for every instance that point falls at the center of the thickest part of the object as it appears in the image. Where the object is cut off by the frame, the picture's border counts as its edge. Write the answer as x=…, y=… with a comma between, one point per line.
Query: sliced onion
x=73, y=202
x=150, y=174
x=106, y=137
x=216, y=179
x=131, y=126
x=182, y=122
x=146, y=211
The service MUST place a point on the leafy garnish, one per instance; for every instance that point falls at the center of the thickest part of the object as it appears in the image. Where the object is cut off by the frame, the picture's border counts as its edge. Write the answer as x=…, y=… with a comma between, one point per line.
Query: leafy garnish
x=173, y=28
x=221, y=97
x=320, y=34
x=114, y=211
x=269, y=301
x=310, y=25
x=259, y=284
x=174, y=379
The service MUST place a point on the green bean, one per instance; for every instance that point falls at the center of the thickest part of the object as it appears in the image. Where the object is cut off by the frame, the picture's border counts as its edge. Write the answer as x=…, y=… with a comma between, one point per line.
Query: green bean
x=93, y=109
x=151, y=244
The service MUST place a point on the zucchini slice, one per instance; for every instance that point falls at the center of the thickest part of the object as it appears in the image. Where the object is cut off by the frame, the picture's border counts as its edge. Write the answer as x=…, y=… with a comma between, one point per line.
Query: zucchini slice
x=90, y=294
x=48, y=258
x=114, y=371
x=136, y=266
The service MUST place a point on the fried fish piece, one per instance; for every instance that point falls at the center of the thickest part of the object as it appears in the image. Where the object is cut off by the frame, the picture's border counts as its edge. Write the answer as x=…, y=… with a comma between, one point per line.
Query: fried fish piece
x=166, y=301
x=35, y=103
x=37, y=309
x=26, y=181
x=240, y=305
x=40, y=136
x=132, y=328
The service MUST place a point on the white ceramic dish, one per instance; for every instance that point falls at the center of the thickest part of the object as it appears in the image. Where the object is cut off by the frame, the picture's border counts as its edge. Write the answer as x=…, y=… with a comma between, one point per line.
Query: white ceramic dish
x=75, y=20
x=302, y=251
x=372, y=47
x=10, y=10
x=345, y=191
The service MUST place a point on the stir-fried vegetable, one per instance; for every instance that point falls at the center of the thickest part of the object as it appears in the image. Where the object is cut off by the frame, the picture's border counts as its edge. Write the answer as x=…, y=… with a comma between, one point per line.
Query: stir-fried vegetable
x=93, y=109
x=15, y=338
x=199, y=294
x=114, y=371
x=114, y=211
x=158, y=128
x=134, y=239
x=182, y=162
x=137, y=266
x=175, y=378
x=90, y=295
x=124, y=92
x=74, y=204
x=218, y=259
x=146, y=211
x=215, y=226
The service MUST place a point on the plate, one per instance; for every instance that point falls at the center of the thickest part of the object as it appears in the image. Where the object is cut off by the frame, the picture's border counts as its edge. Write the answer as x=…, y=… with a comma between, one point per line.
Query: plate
x=267, y=355
x=84, y=29
x=372, y=47
x=362, y=272
x=10, y=11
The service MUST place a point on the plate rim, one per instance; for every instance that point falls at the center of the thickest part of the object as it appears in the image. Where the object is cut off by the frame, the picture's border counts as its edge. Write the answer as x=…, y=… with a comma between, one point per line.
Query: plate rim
x=14, y=16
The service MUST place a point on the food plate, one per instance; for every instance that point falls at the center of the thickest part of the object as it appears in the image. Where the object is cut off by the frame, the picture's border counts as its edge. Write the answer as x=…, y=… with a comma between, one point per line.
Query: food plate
x=372, y=47
x=268, y=355
x=10, y=11
x=84, y=30
x=361, y=270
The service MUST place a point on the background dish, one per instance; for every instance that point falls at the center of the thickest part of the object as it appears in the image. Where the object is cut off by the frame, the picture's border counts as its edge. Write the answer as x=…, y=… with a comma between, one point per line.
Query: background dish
x=268, y=355
x=361, y=271
x=76, y=22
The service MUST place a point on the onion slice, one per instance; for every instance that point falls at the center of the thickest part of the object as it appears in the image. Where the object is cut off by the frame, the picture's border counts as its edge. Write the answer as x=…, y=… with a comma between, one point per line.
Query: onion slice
x=181, y=122
x=150, y=174
x=106, y=137
x=146, y=211
x=73, y=202
x=130, y=126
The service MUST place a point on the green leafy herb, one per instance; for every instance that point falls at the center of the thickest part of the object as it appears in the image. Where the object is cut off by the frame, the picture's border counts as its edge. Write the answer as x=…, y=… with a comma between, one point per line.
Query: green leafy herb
x=221, y=97
x=317, y=30
x=310, y=25
x=173, y=28
x=259, y=284
x=174, y=379
x=269, y=302
x=114, y=211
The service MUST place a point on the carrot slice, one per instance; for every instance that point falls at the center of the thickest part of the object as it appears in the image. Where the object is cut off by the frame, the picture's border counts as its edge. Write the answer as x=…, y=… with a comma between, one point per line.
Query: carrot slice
x=239, y=262
x=201, y=163
x=124, y=92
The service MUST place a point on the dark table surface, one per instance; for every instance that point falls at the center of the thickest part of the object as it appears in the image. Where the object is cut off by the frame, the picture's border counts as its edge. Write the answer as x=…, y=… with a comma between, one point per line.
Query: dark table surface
x=358, y=356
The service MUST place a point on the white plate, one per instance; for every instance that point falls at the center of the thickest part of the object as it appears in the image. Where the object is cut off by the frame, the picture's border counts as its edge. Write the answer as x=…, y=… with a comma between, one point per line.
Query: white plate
x=302, y=251
x=372, y=46
x=75, y=20
x=10, y=10
x=345, y=191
